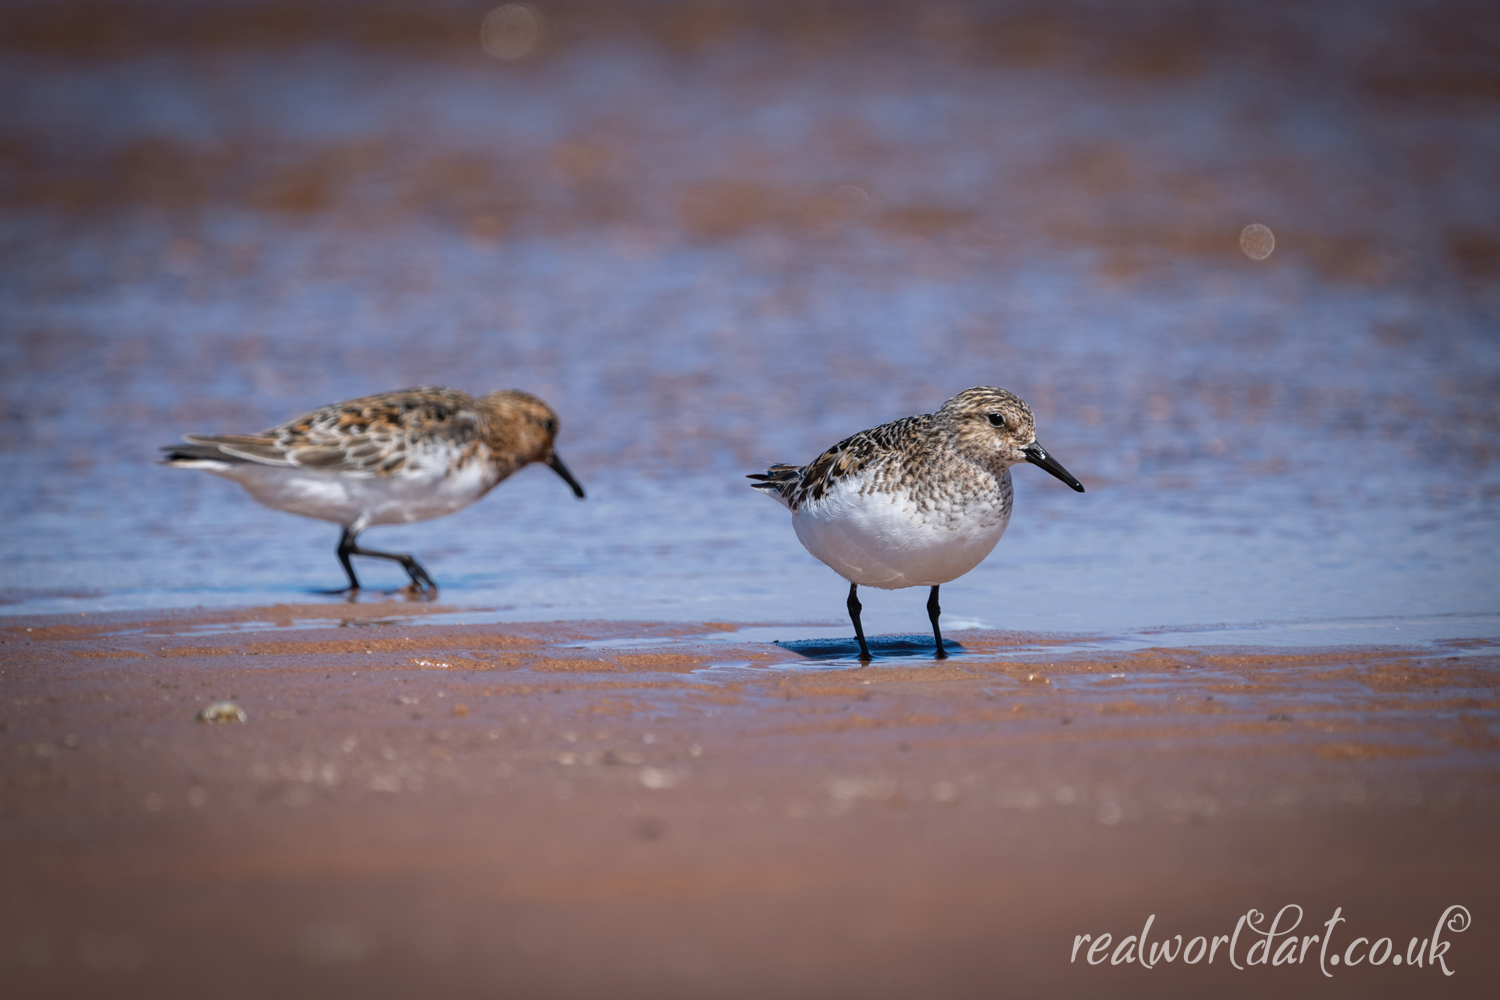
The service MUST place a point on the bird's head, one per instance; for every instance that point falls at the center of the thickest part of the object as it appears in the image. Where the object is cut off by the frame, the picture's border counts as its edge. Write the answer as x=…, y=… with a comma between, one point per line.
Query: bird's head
x=525, y=428
x=995, y=428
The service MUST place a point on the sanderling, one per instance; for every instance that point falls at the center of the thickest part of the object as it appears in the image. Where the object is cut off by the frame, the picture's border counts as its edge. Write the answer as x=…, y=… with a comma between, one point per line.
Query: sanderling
x=915, y=502
x=391, y=458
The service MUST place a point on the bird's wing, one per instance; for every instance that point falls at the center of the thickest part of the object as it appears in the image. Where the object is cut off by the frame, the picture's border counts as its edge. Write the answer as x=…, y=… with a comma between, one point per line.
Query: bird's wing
x=374, y=435
x=798, y=485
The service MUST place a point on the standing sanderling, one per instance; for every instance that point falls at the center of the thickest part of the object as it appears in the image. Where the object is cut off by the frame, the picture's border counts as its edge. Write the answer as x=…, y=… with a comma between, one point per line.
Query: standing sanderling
x=386, y=459
x=915, y=502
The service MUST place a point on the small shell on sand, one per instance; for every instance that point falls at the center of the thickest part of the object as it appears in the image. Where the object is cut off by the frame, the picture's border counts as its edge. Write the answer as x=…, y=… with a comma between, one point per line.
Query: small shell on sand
x=222, y=711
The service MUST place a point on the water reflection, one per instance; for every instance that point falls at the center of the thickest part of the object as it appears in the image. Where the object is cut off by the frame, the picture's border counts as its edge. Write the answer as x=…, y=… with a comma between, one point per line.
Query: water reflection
x=882, y=648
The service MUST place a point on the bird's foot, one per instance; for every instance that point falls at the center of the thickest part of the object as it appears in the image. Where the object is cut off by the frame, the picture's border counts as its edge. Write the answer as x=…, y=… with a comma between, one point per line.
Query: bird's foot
x=422, y=586
x=352, y=592
x=415, y=591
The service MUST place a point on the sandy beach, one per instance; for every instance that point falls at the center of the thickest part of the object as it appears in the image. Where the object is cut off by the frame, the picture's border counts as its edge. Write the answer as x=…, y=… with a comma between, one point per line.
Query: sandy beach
x=640, y=809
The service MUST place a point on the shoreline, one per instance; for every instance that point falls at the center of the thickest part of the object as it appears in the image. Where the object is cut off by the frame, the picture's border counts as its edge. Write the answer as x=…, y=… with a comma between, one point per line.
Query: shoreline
x=394, y=608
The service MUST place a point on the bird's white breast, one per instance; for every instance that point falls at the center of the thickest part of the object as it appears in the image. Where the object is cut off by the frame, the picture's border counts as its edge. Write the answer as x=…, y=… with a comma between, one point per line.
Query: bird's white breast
x=899, y=538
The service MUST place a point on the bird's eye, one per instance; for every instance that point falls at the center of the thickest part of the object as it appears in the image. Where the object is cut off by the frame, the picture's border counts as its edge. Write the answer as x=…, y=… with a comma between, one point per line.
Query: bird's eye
x=997, y=420
x=551, y=426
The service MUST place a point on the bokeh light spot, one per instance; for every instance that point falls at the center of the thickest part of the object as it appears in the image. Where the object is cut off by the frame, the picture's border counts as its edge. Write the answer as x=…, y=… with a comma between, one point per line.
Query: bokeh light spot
x=510, y=32
x=851, y=197
x=1257, y=241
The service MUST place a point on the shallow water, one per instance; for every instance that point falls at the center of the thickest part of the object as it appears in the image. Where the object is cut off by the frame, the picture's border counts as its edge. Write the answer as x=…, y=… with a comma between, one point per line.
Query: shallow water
x=714, y=254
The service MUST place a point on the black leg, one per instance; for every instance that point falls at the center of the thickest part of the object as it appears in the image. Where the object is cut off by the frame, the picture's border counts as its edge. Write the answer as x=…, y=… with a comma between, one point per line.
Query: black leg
x=419, y=577
x=933, y=612
x=346, y=546
x=859, y=631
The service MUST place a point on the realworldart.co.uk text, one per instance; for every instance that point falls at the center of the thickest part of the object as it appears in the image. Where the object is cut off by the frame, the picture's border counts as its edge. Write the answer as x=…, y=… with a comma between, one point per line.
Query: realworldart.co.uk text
x=1254, y=943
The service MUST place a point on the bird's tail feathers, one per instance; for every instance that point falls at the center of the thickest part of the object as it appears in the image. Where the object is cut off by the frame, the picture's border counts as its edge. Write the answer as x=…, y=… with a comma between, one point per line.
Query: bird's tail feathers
x=779, y=481
x=197, y=456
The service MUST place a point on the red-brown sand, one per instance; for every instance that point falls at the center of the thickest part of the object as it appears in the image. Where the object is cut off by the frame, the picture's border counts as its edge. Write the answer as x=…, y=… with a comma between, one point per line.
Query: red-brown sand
x=488, y=810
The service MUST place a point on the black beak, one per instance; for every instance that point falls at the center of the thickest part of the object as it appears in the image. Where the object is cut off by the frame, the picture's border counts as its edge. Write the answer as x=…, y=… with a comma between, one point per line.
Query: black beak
x=1037, y=455
x=556, y=464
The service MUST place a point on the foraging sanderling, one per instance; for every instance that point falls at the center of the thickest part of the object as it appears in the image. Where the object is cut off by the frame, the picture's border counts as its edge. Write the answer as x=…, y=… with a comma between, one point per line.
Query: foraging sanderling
x=391, y=458
x=915, y=502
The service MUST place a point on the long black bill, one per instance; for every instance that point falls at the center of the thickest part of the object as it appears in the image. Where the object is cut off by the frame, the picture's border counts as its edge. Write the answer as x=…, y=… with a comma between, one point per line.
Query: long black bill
x=556, y=464
x=1037, y=455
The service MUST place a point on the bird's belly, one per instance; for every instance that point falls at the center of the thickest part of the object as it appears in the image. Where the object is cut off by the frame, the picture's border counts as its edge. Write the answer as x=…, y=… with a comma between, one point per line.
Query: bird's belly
x=363, y=500
x=891, y=540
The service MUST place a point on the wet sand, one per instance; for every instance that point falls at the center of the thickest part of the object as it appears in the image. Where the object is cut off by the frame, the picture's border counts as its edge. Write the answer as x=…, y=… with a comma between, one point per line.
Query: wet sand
x=666, y=811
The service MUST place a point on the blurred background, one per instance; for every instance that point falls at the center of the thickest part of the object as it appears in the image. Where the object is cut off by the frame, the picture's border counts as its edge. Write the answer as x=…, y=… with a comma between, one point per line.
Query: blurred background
x=720, y=235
